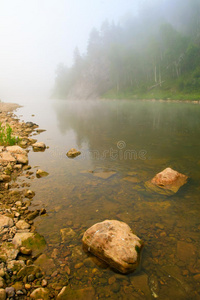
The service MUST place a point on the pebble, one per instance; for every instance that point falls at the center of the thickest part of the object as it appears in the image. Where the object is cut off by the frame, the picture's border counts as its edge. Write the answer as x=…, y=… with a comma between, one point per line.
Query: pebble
x=27, y=286
x=18, y=203
x=197, y=277
x=2, y=294
x=25, y=251
x=10, y=291
x=115, y=287
x=44, y=282
x=31, y=278
x=1, y=282
x=78, y=266
x=19, y=293
x=112, y=280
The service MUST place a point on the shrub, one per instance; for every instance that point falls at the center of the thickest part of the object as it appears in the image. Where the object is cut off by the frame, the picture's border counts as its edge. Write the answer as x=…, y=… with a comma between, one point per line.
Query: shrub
x=6, y=137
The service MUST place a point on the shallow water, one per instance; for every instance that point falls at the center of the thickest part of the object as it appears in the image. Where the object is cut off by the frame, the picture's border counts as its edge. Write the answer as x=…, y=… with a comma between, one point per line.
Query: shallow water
x=135, y=140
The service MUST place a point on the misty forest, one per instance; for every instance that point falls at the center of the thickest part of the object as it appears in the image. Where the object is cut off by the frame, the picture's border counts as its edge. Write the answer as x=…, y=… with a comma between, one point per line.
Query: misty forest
x=154, y=54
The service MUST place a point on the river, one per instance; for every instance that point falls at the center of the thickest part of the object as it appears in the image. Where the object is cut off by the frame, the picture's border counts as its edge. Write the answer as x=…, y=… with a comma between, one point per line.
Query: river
x=125, y=139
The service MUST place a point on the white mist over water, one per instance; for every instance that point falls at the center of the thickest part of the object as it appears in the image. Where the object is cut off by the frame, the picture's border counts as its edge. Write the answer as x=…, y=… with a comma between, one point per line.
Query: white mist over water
x=35, y=36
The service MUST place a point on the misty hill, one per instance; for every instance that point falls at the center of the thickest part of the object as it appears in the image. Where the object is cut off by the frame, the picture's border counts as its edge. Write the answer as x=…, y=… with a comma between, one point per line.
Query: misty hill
x=153, y=54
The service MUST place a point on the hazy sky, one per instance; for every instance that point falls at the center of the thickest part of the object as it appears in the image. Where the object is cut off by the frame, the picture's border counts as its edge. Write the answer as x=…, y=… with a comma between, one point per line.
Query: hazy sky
x=36, y=35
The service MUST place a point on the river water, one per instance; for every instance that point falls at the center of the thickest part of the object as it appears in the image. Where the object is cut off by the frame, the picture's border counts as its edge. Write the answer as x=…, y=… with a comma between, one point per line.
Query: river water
x=132, y=141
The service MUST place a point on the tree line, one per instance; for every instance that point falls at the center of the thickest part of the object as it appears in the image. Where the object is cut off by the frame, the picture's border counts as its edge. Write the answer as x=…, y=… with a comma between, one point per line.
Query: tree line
x=159, y=47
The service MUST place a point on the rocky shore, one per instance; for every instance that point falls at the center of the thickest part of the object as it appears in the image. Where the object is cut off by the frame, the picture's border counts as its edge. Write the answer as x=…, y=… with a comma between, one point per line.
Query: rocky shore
x=21, y=245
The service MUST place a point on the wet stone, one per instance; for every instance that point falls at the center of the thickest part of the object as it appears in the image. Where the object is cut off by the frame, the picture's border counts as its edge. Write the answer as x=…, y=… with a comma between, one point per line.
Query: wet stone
x=31, y=278
x=2, y=294
x=45, y=263
x=1, y=282
x=115, y=287
x=5, y=221
x=67, y=293
x=186, y=251
x=140, y=282
x=22, y=225
x=67, y=234
x=10, y=291
x=40, y=293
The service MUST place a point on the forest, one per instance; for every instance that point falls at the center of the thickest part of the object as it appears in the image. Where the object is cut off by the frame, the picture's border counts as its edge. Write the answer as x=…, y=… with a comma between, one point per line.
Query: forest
x=152, y=53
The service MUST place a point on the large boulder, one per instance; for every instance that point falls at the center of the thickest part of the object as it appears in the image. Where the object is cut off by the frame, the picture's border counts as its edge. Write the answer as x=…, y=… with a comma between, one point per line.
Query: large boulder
x=167, y=182
x=114, y=242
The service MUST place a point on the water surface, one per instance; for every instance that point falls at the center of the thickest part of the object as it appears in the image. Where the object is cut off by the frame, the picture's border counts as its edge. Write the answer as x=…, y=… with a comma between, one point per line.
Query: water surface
x=132, y=139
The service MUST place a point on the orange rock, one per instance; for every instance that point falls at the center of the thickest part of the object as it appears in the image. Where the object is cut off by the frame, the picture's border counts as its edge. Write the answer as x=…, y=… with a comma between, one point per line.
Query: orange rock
x=167, y=182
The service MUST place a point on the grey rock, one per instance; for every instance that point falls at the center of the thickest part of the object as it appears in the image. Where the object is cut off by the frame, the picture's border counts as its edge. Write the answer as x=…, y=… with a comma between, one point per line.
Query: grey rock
x=10, y=291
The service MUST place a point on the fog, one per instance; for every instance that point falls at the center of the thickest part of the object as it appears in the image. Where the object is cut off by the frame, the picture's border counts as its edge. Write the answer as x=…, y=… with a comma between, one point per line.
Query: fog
x=37, y=35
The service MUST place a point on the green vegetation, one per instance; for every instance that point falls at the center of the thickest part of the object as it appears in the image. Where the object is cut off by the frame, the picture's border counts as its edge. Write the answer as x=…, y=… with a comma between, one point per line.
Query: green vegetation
x=152, y=55
x=6, y=137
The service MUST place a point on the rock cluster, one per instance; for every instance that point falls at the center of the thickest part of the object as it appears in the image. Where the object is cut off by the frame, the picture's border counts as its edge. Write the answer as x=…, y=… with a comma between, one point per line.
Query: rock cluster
x=19, y=242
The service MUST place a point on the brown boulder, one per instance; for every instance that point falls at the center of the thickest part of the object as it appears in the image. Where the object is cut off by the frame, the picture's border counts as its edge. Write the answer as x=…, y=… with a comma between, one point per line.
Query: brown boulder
x=114, y=242
x=167, y=182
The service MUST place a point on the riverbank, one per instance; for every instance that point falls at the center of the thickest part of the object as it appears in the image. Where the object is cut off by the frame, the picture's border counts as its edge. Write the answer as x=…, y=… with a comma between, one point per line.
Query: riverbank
x=157, y=100
x=21, y=252
x=165, y=93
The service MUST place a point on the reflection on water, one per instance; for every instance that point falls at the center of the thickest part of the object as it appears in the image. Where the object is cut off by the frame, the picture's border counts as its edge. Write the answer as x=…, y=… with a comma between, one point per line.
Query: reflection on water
x=133, y=141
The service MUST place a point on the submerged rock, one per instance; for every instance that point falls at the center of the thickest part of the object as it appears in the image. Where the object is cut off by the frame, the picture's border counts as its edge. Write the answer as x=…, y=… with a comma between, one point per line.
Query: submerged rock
x=40, y=293
x=45, y=263
x=167, y=182
x=67, y=234
x=114, y=242
x=100, y=173
x=67, y=293
x=28, y=270
x=140, y=282
x=73, y=153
